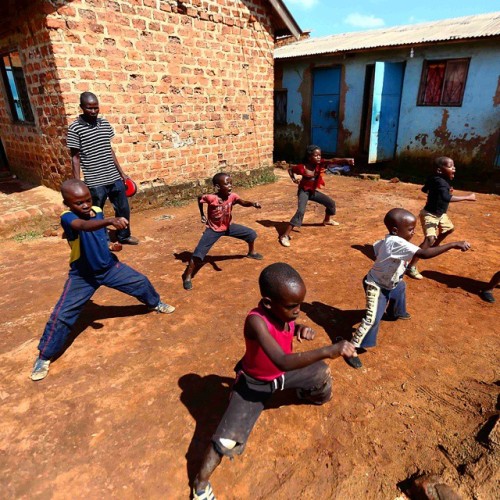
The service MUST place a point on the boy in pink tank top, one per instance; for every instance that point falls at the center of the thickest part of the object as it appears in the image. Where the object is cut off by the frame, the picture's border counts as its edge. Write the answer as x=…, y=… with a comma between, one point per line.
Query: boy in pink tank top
x=269, y=365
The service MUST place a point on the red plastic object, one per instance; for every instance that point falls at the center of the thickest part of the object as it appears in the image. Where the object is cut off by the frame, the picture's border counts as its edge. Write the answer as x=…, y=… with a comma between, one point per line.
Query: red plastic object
x=130, y=187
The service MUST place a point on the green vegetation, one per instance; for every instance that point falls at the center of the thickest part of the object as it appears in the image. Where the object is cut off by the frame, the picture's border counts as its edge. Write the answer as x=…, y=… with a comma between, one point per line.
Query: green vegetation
x=27, y=236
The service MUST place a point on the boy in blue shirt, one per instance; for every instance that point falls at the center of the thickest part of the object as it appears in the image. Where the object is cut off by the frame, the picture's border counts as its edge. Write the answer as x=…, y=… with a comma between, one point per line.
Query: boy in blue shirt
x=91, y=265
x=435, y=221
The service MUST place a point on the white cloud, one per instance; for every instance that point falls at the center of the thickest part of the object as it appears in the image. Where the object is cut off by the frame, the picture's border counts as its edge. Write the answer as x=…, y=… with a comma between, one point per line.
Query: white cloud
x=362, y=21
x=304, y=4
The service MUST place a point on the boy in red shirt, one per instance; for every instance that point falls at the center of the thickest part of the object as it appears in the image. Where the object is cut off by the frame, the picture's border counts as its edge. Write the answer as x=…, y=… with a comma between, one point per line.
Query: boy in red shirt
x=311, y=181
x=269, y=366
x=218, y=221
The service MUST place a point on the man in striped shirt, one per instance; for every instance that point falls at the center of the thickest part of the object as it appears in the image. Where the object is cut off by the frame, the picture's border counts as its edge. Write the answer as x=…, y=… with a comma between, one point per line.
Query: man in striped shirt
x=89, y=141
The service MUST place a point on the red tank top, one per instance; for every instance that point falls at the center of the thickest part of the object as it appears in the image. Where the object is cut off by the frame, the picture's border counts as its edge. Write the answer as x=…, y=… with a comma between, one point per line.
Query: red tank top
x=255, y=362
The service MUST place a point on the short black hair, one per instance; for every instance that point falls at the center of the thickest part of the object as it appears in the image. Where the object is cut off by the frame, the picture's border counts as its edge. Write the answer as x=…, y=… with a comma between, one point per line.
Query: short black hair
x=72, y=186
x=87, y=96
x=395, y=216
x=218, y=177
x=274, y=277
x=310, y=150
x=440, y=161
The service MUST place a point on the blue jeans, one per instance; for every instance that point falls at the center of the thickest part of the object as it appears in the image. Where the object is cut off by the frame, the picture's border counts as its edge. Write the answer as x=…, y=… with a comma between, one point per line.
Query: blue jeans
x=378, y=300
x=210, y=237
x=77, y=292
x=317, y=197
x=116, y=194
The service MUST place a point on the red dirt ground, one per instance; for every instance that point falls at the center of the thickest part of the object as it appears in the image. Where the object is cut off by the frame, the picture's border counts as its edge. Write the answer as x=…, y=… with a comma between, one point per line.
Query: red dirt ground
x=128, y=409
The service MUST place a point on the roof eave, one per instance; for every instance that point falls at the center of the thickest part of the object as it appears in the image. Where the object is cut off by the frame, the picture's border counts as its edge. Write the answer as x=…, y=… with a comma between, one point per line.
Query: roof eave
x=287, y=18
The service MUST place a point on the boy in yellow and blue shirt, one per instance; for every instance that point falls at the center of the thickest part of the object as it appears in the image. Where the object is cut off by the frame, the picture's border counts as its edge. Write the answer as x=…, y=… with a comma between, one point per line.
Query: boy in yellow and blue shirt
x=91, y=265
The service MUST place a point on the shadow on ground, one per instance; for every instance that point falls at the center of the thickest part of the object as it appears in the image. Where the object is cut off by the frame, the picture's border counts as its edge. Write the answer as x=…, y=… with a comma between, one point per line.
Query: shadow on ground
x=206, y=399
x=186, y=256
x=453, y=281
x=336, y=322
x=91, y=315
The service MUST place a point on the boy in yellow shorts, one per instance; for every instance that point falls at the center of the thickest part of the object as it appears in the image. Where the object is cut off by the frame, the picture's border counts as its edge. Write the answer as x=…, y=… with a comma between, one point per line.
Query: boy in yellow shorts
x=435, y=222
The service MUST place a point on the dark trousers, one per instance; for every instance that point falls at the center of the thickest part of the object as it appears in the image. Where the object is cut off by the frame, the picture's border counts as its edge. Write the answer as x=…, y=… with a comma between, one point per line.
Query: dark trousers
x=313, y=384
x=210, y=237
x=116, y=194
x=317, y=197
x=378, y=301
x=77, y=292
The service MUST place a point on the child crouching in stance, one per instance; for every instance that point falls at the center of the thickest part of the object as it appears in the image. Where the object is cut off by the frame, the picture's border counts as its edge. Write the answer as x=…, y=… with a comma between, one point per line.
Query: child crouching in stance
x=384, y=285
x=269, y=366
x=91, y=265
x=218, y=221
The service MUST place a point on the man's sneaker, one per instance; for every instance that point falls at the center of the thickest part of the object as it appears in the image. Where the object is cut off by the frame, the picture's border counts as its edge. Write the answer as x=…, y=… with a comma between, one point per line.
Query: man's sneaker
x=163, y=308
x=412, y=272
x=404, y=316
x=131, y=240
x=40, y=369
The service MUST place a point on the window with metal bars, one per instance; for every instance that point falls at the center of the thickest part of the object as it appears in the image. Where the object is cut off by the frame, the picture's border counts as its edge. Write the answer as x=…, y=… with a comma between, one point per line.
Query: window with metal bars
x=443, y=82
x=15, y=87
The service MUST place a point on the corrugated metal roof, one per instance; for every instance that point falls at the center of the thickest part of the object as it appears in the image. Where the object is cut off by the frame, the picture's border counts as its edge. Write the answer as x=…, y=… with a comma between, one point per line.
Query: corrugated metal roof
x=460, y=28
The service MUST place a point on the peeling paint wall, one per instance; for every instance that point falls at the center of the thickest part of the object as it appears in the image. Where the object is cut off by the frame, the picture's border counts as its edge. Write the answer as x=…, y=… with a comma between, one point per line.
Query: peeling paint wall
x=469, y=133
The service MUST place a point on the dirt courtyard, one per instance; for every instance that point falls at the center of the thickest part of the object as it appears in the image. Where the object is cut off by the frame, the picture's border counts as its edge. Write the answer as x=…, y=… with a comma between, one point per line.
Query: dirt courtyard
x=128, y=409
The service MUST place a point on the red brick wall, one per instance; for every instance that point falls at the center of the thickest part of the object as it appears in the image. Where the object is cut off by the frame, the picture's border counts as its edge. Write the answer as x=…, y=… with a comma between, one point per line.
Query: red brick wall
x=35, y=152
x=188, y=86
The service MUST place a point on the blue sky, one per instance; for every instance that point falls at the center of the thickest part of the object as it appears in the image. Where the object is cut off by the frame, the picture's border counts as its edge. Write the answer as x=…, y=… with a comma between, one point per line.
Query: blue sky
x=327, y=17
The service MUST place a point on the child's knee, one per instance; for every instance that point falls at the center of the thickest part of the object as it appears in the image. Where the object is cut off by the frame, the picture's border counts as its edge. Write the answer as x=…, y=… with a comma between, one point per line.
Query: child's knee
x=227, y=447
x=320, y=390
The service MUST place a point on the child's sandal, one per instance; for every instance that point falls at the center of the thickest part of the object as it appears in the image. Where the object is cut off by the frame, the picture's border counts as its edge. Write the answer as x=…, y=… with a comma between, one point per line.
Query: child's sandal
x=206, y=494
x=115, y=246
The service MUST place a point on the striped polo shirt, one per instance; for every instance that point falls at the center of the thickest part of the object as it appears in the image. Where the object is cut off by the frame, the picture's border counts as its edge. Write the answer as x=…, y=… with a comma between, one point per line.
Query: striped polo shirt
x=96, y=156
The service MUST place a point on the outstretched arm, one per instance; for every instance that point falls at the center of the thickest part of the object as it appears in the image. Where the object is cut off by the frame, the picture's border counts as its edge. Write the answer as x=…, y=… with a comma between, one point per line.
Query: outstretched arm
x=245, y=203
x=95, y=224
x=469, y=197
x=428, y=253
x=256, y=329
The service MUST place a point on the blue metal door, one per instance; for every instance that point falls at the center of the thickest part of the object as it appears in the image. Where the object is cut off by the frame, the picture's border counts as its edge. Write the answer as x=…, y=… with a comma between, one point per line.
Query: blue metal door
x=387, y=88
x=325, y=108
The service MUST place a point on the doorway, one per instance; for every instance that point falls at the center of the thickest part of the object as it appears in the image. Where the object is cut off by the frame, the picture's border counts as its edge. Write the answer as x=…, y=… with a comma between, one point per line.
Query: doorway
x=381, y=107
x=325, y=108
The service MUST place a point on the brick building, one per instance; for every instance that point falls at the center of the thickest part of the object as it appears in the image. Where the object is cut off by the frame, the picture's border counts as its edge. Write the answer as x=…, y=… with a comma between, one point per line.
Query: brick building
x=187, y=85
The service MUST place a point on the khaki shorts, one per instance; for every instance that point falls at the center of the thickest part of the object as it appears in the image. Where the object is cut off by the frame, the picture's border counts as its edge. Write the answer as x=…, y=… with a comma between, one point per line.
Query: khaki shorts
x=434, y=225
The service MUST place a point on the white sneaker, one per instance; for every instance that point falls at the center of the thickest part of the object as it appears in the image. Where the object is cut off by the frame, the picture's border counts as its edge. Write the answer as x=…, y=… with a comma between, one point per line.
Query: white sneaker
x=40, y=369
x=412, y=272
x=284, y=240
